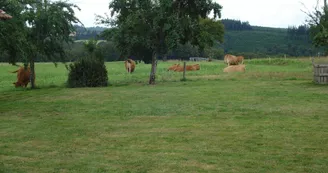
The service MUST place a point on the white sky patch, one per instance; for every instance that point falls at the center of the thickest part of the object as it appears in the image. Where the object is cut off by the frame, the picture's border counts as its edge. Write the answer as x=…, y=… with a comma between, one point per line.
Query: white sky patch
x=271, y=13
x=89, y=10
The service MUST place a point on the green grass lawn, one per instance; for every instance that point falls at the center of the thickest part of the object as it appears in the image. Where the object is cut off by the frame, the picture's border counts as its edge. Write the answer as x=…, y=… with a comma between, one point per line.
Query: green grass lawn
x=270, y=119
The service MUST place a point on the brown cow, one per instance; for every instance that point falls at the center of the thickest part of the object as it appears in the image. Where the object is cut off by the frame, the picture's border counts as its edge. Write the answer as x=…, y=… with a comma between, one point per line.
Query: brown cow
x=230, y=59
x=179, y=68
x=173, y=67
x=23, y=77
x=240, y=59
x=130, y=65
x=235, y=68
x=233, y=60
x=196, y=66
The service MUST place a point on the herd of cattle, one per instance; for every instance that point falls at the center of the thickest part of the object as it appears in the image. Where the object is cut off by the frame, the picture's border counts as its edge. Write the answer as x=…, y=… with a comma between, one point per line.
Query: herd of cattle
x=235, y=64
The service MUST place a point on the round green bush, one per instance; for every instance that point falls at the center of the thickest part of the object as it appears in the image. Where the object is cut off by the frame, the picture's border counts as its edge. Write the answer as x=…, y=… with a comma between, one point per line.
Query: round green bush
x=87, y=72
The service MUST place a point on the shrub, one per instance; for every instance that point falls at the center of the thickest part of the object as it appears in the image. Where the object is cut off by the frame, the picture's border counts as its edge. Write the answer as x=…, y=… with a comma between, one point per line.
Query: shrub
x=87, y=72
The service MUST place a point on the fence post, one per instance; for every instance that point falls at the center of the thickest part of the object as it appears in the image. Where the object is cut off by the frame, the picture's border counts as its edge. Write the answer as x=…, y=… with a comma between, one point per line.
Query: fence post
x=184, y=71
x=312, y=60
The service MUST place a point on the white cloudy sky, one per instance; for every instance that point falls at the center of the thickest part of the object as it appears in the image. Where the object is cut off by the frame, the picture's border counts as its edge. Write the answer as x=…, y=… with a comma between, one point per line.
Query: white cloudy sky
x=273, y=13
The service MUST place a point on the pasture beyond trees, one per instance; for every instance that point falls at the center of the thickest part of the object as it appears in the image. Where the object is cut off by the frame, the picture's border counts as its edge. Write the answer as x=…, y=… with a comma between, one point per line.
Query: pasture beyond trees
x=270, y=119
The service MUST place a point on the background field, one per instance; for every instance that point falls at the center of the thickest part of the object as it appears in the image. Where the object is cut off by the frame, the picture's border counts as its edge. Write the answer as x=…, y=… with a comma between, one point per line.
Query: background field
x=258, y=69
x=270, y=119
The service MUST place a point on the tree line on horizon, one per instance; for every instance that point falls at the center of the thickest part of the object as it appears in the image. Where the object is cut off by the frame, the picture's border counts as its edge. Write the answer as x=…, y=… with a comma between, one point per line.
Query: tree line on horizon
x=294, y=41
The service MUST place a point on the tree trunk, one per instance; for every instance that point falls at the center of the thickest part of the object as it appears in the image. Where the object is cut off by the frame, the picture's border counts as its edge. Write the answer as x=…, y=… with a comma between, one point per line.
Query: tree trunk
x=153, y=70
x=32, y=75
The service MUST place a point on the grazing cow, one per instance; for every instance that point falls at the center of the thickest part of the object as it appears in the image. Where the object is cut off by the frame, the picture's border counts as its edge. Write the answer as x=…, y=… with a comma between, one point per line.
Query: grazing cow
x=130, y=65
x=230, y=59
x=235, y=68
x=23, y=77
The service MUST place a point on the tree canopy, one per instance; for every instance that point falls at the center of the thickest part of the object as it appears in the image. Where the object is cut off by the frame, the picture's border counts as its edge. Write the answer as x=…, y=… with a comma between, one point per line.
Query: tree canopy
x=319, y=26
x=160, y=25
x=38, y=28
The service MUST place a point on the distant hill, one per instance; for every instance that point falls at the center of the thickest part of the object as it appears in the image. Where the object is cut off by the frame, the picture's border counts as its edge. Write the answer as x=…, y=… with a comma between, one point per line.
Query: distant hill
x=252, y=41
x=258, y=40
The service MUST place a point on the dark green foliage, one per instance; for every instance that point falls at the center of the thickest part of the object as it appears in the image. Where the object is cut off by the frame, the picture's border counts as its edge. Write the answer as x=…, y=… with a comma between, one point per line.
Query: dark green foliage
x=108, y=51
x=302, y=30
x=158, y=26
x=83, y=33
x=319, y=27
x=12, y=34
x=184, y=51
x=265, y=41
x=260, y=42
x=38, y=30
x=236, y=25
x=213, y=53
x=211, y=31
x=138, y=51
x=87, y=72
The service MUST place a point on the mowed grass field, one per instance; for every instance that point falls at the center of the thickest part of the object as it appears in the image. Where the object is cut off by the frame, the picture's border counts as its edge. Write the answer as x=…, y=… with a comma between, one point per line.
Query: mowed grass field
x=271, y=118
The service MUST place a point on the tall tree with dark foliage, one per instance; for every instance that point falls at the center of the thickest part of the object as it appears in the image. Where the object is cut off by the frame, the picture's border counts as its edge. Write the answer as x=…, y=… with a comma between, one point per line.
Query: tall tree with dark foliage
x=38, y=28
x=319, y=26
x=160, y=25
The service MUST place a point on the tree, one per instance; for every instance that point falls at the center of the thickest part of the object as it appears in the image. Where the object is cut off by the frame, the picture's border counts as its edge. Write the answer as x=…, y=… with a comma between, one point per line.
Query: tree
x=231, y=24
x=184, y=51
x=39, y=28
x=319, y=26
x=211, y=31
x=158, y=25
x=214, y=53
x=89, y=70
x=13, y=32
x=93, y=50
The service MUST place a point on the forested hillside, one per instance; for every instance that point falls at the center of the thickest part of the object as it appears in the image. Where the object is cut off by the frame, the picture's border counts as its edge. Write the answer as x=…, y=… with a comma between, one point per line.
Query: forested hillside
x=253, y=41
x=260, y=41
x=240, y=38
